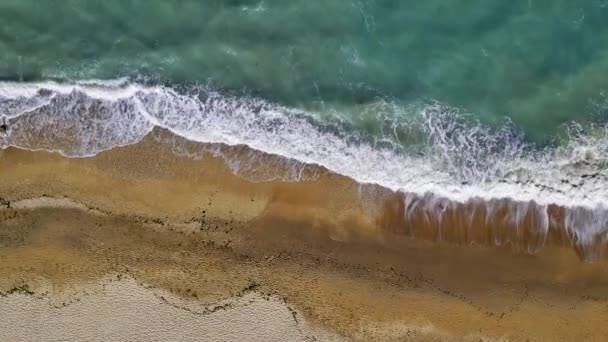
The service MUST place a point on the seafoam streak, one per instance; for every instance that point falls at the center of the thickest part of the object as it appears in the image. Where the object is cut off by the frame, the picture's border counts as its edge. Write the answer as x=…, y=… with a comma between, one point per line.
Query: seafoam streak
x=461, y=160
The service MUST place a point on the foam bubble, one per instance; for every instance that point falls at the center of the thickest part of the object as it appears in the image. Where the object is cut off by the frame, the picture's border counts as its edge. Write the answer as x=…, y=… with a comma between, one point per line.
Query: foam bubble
x=458, y=159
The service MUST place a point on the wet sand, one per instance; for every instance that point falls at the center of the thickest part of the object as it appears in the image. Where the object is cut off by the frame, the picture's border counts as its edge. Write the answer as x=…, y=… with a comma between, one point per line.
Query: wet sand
x=322, y=259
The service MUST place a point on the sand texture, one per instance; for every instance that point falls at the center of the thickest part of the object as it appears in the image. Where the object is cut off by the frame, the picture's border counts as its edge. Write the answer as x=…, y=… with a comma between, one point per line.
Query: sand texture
x=140, y=243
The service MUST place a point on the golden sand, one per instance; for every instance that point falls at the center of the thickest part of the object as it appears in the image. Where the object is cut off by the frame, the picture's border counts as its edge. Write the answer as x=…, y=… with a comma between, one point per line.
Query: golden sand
x=142, y=218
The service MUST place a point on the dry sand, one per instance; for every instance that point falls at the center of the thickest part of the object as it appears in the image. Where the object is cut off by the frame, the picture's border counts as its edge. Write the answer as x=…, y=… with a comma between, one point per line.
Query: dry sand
x=123, y=310
x=139, y=243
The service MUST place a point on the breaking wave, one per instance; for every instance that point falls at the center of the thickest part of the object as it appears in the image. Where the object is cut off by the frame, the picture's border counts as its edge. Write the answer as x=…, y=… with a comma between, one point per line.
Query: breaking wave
x=434, y=153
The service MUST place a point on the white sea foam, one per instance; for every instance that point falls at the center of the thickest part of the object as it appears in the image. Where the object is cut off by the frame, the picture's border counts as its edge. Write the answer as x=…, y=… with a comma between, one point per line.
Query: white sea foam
x=461, y=161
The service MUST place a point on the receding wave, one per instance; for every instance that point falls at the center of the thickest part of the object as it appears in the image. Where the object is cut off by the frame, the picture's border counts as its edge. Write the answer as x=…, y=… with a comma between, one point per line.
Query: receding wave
x=454, y=162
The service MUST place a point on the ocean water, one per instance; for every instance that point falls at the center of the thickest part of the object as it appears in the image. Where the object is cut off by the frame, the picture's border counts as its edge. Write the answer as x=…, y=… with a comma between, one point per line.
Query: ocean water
x=464, y=100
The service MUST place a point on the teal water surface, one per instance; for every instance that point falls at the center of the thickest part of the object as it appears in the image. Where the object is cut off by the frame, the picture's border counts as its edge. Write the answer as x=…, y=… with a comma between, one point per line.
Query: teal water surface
x=539, y=63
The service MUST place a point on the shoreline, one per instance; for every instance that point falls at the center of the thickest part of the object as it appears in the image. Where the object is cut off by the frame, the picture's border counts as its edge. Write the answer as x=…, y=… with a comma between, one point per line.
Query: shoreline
x=524, y=227
x=567, y=176
x=338, y=255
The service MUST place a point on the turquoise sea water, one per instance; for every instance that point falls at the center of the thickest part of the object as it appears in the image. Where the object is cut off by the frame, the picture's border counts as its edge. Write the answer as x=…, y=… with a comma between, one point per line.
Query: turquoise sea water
x=540, y=63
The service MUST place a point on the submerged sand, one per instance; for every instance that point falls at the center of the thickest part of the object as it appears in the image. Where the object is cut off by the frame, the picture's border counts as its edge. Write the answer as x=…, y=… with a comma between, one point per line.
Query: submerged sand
x=139, y=243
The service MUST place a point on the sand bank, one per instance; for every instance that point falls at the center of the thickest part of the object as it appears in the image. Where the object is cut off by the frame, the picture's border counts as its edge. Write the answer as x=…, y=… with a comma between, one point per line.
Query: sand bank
x=335, y=255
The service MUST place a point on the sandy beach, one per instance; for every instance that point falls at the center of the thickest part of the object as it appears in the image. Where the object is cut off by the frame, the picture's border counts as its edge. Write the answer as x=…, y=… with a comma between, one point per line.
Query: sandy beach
x=142, y=243
x=267, y=170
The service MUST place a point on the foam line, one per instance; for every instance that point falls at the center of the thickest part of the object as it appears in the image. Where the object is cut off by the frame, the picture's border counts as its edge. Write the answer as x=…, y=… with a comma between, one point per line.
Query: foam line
x=460, y=161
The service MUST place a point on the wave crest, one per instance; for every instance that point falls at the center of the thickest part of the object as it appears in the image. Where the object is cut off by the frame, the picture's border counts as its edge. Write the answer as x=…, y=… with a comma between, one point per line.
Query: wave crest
x=446, y=154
